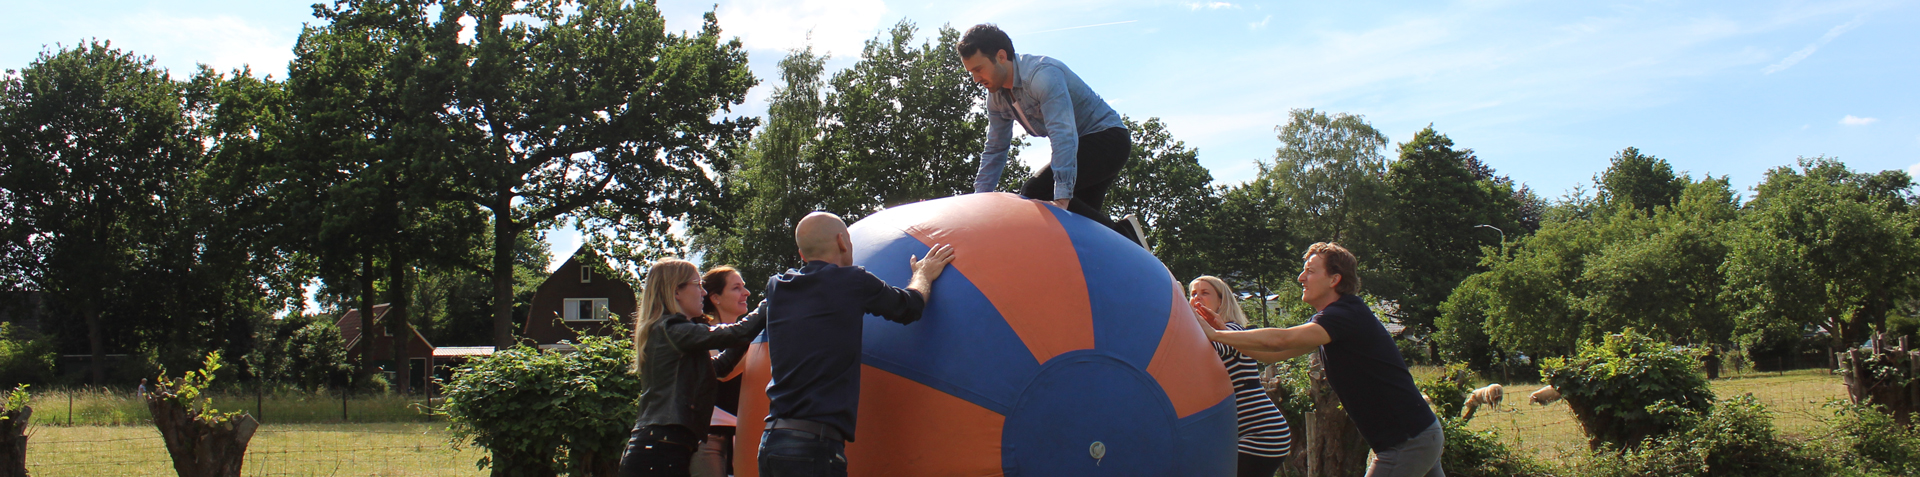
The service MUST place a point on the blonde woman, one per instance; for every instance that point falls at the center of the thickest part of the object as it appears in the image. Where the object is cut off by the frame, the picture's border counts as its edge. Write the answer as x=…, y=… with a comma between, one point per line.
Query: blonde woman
x=680, y=377
x=1265, y=437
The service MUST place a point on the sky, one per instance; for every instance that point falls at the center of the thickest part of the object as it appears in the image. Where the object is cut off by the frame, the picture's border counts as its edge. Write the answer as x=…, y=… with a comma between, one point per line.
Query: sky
x=1545, y=92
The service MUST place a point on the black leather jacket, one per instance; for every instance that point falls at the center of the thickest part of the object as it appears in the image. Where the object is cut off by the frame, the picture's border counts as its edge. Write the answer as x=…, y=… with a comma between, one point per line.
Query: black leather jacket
x=679, y=377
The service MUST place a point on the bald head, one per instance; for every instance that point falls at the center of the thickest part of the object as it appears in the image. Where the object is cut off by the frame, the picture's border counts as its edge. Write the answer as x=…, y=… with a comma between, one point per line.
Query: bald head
x=823, y=236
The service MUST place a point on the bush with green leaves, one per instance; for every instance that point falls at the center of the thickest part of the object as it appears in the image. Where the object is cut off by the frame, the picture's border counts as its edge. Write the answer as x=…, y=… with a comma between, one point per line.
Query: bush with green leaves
x=545, y=412
x=1629, y=387
x=1878, y=441
x=1735, y=439
x=1449, y=390
x=1471, y=453
x=25, y=356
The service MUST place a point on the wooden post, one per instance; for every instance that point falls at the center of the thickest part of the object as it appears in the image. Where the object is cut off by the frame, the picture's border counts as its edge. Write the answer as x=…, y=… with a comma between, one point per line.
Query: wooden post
x=1334, y=446
x=13, y=441
x=200, y=445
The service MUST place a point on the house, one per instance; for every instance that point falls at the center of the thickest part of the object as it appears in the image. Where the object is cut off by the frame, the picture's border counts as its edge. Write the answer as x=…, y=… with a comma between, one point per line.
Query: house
x=419, y=352
x=578, y=299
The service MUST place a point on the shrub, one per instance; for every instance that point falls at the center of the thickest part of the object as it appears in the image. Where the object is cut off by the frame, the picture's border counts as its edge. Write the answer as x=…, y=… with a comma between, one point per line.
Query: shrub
x=1628, y=388
x=1472, y=453
x=541, y=412
x=1873, y=435
x=25, y=357
x=1449, y=390
x=1736, y=438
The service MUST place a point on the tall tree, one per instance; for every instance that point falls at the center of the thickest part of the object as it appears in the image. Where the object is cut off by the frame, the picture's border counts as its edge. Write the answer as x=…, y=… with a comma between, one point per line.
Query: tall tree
x=1823, y=246
x=95, y=138
x=375, y=157
x=1330, y=174
x=898, y=126
x=773, y=184
x=903, y=124
x=1165, y=185
x=587, y=109
x=1440, y=196
x=1640, y=181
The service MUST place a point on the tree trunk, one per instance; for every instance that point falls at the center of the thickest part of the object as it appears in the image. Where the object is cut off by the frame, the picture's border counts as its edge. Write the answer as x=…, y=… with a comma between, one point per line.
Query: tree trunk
x=397, y=301
x=1334, y=446
x=199, y=447
x=96, y=343
x=503, y=236
x=367, y=300
x=13, y=441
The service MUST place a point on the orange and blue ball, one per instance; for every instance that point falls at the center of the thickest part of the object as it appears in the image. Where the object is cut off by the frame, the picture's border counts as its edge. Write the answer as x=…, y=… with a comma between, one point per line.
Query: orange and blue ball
x=1052, y=346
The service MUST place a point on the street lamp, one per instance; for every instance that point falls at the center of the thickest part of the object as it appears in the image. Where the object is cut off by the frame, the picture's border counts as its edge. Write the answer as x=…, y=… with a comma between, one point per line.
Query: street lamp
x=1503, y=233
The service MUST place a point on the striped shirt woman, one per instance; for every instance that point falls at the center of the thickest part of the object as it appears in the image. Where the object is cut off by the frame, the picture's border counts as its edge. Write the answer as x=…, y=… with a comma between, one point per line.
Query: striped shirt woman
x=1265, y=437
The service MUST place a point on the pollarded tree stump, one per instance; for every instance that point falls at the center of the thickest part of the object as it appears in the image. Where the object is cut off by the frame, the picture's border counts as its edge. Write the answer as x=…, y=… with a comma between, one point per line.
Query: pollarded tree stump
x=201, y=446
x=1335, y=447
x=13, y=441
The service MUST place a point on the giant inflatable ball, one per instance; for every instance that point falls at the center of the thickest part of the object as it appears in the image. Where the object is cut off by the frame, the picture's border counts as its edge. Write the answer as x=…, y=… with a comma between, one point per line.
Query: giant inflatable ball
x=1052, y=346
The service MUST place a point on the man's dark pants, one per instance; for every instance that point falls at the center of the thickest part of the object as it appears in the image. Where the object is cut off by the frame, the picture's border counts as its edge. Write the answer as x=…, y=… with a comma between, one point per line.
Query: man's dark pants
x=794, y=453
x=1100, y=159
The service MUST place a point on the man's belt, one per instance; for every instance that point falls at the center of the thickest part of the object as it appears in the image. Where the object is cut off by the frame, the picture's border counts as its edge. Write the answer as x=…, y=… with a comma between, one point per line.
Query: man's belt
x=816, y=428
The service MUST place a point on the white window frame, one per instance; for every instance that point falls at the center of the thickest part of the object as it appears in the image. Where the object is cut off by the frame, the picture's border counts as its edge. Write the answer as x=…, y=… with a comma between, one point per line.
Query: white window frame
x=570, y=311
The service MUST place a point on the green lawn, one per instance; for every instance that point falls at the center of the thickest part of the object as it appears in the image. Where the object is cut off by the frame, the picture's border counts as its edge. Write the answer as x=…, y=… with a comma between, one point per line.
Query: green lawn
x=1796, y=399
x=374, y=449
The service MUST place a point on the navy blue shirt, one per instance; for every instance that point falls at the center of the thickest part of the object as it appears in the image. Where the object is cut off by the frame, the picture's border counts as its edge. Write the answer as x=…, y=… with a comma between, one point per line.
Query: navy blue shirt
x=815, y=317
x=1366, y=370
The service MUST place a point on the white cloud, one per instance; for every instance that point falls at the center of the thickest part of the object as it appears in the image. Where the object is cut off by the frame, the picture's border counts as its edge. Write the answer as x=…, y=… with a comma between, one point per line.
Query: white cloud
x=1913, y=171
x=840, y=27
x=1795, y=58
x=1211, y=5
x=223, y=42
x=1852, y=120
x=1262, y=24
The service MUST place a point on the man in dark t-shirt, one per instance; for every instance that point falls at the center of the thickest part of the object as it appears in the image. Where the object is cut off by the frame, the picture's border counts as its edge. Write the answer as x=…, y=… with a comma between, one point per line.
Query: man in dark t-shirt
x=1363, y=365
x=814, y=322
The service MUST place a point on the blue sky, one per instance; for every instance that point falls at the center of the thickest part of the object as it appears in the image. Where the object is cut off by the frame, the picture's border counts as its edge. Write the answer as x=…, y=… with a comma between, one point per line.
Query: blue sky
x=1544, y=91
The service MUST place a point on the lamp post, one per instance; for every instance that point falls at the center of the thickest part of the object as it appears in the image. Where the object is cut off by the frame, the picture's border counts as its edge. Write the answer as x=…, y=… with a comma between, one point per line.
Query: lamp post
x=1503, y=238
x=1503, y=233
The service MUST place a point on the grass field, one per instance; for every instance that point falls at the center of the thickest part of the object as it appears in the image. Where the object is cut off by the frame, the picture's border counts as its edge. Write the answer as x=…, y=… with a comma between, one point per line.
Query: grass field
x=93, y=406
x=1796, y=398
x=369, y=449
x=318, y=444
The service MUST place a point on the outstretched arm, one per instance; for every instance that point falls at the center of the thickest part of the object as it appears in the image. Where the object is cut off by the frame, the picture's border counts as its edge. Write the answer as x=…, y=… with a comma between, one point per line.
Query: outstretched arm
x=1287, y=342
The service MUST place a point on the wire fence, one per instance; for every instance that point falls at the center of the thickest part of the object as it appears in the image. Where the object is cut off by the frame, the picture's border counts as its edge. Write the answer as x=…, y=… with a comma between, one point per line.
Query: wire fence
x=1797, y=399
x=398, y=449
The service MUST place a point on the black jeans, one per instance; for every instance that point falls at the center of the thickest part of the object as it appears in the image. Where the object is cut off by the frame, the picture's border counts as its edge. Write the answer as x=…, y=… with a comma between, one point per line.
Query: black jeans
x=1257, y=466
x=792, y=453
x=1101, y=157
x=658, y=451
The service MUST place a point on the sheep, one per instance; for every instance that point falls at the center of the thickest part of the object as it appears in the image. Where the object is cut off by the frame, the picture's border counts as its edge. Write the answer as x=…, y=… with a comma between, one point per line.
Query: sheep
x=1545, y=395
x=1489, y=395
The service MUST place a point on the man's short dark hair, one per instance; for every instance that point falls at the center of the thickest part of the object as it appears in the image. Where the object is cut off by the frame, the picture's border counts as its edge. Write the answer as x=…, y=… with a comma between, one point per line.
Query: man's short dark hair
x=984, y=38
x=1340, y=262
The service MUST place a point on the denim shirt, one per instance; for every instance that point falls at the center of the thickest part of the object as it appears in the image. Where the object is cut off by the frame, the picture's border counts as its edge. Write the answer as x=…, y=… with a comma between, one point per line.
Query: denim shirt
x=1047, y=92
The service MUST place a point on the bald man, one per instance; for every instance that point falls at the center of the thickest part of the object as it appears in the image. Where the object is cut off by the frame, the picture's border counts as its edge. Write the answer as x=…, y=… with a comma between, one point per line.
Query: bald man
x=814, y=320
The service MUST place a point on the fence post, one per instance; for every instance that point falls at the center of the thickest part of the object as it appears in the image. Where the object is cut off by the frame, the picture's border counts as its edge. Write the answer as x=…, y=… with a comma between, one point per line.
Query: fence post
x=343, y=404
x=69, y=408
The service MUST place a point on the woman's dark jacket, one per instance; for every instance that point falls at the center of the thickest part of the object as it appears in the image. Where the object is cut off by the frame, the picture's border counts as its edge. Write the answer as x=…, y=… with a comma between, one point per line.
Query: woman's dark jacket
x=679, y=377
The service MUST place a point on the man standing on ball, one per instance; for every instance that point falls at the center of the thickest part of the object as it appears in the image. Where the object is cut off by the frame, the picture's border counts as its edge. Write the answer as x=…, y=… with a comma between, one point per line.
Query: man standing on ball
x=1363, y=365
x=1090, y=142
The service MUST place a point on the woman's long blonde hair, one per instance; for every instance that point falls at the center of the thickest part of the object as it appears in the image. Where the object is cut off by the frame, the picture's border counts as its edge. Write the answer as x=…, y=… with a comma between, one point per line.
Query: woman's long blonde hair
x=1229, y=304
x=664, y=277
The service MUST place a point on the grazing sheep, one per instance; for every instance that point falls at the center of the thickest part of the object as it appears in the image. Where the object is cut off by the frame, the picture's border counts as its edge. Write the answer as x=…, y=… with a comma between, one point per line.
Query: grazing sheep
x=1489, y=396
x=1544, y=396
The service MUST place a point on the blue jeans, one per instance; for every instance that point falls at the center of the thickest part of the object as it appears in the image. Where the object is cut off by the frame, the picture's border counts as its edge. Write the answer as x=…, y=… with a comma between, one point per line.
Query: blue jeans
x=792, y=453
x=1417, y=457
